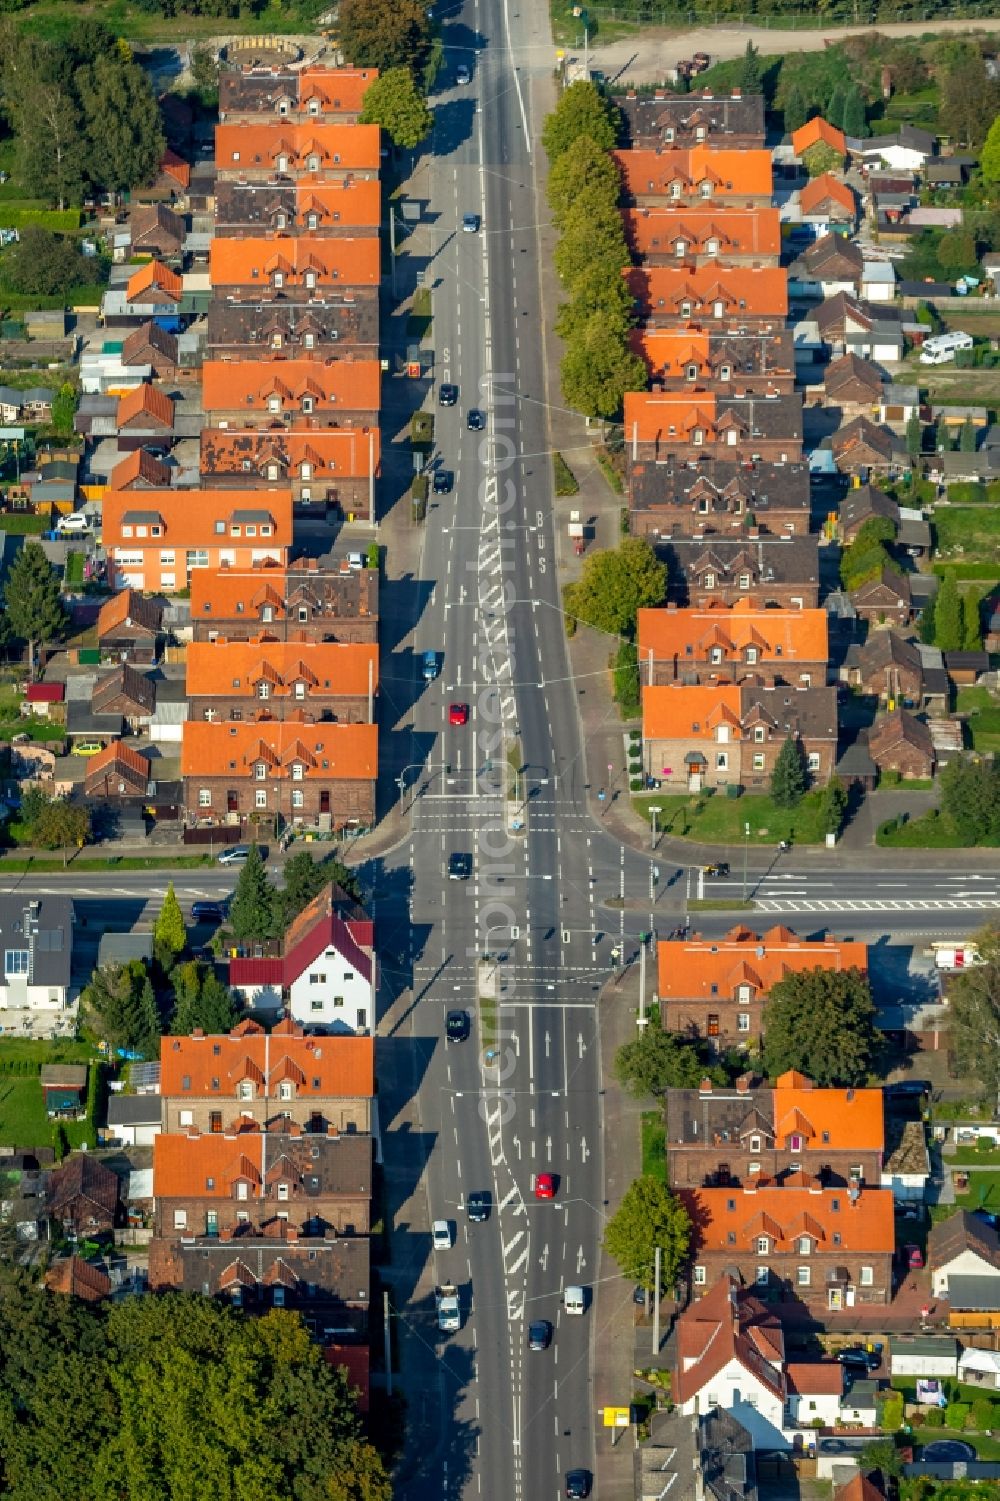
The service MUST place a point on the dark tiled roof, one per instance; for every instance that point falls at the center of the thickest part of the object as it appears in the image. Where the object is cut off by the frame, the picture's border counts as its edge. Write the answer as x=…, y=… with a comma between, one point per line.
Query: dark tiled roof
x=771, y=560
x=647, y=117
x=333, y=321
x=763, y=486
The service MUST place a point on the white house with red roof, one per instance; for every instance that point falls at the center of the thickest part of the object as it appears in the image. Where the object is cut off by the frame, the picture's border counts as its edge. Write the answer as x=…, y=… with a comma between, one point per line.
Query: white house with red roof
x=327, y=974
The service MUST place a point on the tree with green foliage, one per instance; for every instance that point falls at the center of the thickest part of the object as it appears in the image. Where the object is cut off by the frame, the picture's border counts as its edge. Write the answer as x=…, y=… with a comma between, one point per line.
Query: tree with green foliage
x=123, y=123
x=948, y=614
x=201, y=1000
x=974, y=1015
x=789, y=777
x=967, y=437
x=881, y=1454
x=170, y=934
x=751, y=72
x=834, y=806
x=969, y=100
x=853, y=122
x=51, y=148
x=61, y=825
x=821, y=1023
x=914, y=438
x=385, y=34
x=33, y=603
x=582, y=110
x=627, y=694
x=205, y=70
x=867, y=555
x=394, y=102
x=796, y=112
x=43, y=264
x=119, y=1008
x=989, y=157
x=927, y=625
x=656, y=1061
x=64, y=406
x=957, y=252
x=596, y=295
x=649, y=1216
x=597, y=369
x=305, y=878
x=592, y=235
x=614, y=585
x=252, y=912
x=821, y=158
x=834, y=112
x=970, y=798
x=584, y=166
x=972, y=635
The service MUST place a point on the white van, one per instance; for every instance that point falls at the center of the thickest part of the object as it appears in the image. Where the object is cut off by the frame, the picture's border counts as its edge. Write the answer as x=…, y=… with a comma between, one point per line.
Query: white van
x=574, y=1300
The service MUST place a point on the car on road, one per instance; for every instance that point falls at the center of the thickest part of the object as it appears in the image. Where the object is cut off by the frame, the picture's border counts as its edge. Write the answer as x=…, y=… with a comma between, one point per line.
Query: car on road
x=470, y=223
x=441, y=1235
x=235, y=854
x=477, y=1206
x=429, y=666
x=443, y=481
x=475, y=421
x=914, y=1257
x=76, y=521
x=639, y=1297
x=458, y=714
x=856, y=1355
x=462, y=74
x=447, y=394
x=539, y=1334
x=459, y=867
x=87, y=748
x=545, y=1186
x=721, y=870
x=577, y=1485
x=457, y=1026
x=206, y=912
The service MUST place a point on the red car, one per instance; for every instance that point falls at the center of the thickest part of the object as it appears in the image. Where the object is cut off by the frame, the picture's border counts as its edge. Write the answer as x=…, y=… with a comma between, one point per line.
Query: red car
x=914, y=1257
x=458, y=714
x=545, y=1186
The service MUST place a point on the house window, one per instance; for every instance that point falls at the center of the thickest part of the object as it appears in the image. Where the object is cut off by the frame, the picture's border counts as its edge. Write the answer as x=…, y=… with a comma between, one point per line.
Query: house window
x=692, y=372
x=15, y=962
x=713, y=1024
x=709, y=581
x=300, y=692
x=312, y=221
x=836, y=1237
x=272, y=471
x=298, y=799
x=753, y=1169
x=755, y=1143
x=362, y=1017
x=204, y=797
x=759, y=733
x=812, y=760
x=698, y=437
x=260, y=797
x=285, y=1090
x=743, y=1021
x=744, y=580
x=317, y=1004
x=722, y=761
x=185, y=1117
x=758, y=763
x=279, y=1297
x=699, y=1276
x=180, y=1219
x=309, y=341
x=803, y=1276
x=712, y=248
x=716, y=655
x=763, y=1244
x=685, y=309
x=243, y=1189
x=795, y=1143
x=245, y=1090
x=834, y=1203
x=263, y=689
x=805, y=1246
x=743, y=994
x=260, y=771
x=762, y=1275
x=215, y=1122
x=279, y=279
x=283, y=1192
x=867, y=1276
x=751, y=655
x=317, y=979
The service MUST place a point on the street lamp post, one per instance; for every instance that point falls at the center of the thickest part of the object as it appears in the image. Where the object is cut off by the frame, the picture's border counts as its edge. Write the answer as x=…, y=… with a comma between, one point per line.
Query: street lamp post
x=746, y=853
x=654, y=814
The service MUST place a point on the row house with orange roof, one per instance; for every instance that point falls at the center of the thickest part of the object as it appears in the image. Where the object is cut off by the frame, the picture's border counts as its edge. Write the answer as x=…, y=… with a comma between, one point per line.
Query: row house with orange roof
x=731, y=734
x=329, y=469
x=734, y=644
x=734, y=120
x=665, y=235
x=156, y=539
x=725, y=1135
x=696, y=356
x=257, y=96
x=306, y=394
x=294, y=270
x=338, y=325
x=829, y=1247
x=145, y=414
x=696, y=176
x=733, y=298
x=320, y=149
x=301, y=603
x=664, y=425
x=153, y=291
x=260, y=680
x=346, y=207
x=282, y=771
x=268, y=1080
x=718, y=988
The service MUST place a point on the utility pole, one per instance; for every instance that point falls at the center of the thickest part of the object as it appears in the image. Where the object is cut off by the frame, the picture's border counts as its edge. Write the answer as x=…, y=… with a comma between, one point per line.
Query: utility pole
x=388, y=1341
x=642, y=986
x=746, y=853
x=656, y=1305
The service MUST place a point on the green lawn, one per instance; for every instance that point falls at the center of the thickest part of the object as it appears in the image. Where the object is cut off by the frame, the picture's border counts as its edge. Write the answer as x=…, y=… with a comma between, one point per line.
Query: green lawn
x=983, y=1192
x=23, y=1121
x=983, y=709
x=933, y=831
x=654, y=1145
x=966, y=533
x=972, y=1157
x=18, y=524
x=109, y=862
x=986, y=1447
x=714, y=819
x=73, y=576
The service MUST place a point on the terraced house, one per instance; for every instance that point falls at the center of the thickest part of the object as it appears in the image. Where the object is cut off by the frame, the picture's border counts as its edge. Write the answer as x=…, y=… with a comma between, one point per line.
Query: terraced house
x=739, y=643
x=331, y=469
x=696, y=176
x=345, y=207
x=259, y=680
x=339, y=325
x=665, y=235
x=288, y=149
x=697, y=356
x=688, y=495
x=676, y=425
x=302, y=602
x=156, y=539
x=730, y=297
x=734, y=121
x=307, y=394
x=259, y=95
x=294, y=270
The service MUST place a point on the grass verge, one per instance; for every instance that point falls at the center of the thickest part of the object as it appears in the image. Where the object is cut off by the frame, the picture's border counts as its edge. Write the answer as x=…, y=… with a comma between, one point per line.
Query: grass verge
x=565, y=479
x=110, y=862
x=487, y=1020
x=714, y=819
x=654, y=1145
x=713, y=905
x=933, y=831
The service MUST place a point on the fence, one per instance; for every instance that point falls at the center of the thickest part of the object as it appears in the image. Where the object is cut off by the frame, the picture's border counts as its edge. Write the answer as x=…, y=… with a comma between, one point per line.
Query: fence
x=651, y=13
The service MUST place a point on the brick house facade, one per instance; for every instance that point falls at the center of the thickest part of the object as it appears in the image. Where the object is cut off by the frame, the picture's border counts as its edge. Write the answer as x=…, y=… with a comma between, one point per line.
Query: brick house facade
x=340, y=326
x=772, y=572
x=263, y=680
x=300, y=603
x=665, y=426
x=319, y=150
x=731, y=644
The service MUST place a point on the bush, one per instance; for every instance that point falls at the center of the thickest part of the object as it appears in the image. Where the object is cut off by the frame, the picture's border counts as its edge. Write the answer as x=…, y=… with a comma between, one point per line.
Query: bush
x=935, y=1418
x=985, y=1144
x=636, y=784
x=60, y=221
x=983, y=1415
x=956, y=1415
x=892, y=1412
x=565, y=479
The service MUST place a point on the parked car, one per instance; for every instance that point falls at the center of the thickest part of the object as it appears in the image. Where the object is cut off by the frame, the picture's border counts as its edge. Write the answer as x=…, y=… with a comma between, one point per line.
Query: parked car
x=206, y=912
x=906, y=1089
x=859, y=1357
x=235, y=854
x=441, y=1235
x=76, y=521
x=914, y=1257
x=462, y=74
x=87, y=748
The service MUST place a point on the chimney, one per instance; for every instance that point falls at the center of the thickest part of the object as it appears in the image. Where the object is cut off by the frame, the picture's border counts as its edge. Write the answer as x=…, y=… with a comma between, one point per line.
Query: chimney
x=705, y=1087
x=291, y=1235
x=737, y=93
x=226, y=1234
x=743, y=1083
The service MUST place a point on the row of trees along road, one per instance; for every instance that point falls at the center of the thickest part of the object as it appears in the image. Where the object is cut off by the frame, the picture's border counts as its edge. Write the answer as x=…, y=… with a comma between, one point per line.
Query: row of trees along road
x=598, y=366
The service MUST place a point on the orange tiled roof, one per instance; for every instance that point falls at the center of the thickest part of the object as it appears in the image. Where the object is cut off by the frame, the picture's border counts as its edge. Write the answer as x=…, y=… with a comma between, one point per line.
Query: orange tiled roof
x=147, y=401
x=339, y=90
x=815, y=130
x=727, y=1324
x=679, y=711
x=140, y=464
x=344, y=147
x=784, y=635
x=334, y=1067
x=118, y=754
x=353, y=202
x=127, y=604
x=757, y=291
x=249, y=385
x=828, y=1119
x=154, y=274
x=669, y=351
x=348, y=262
x=659, y=416
x=864, y=1225
x=333, y=453
x=688, y=968
x=172, y=165
x=731, y=231
x=327, y=752
x=189, y=517
x=825, y=186
x=732, y=174
x=233, y=668
x=226, y=593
